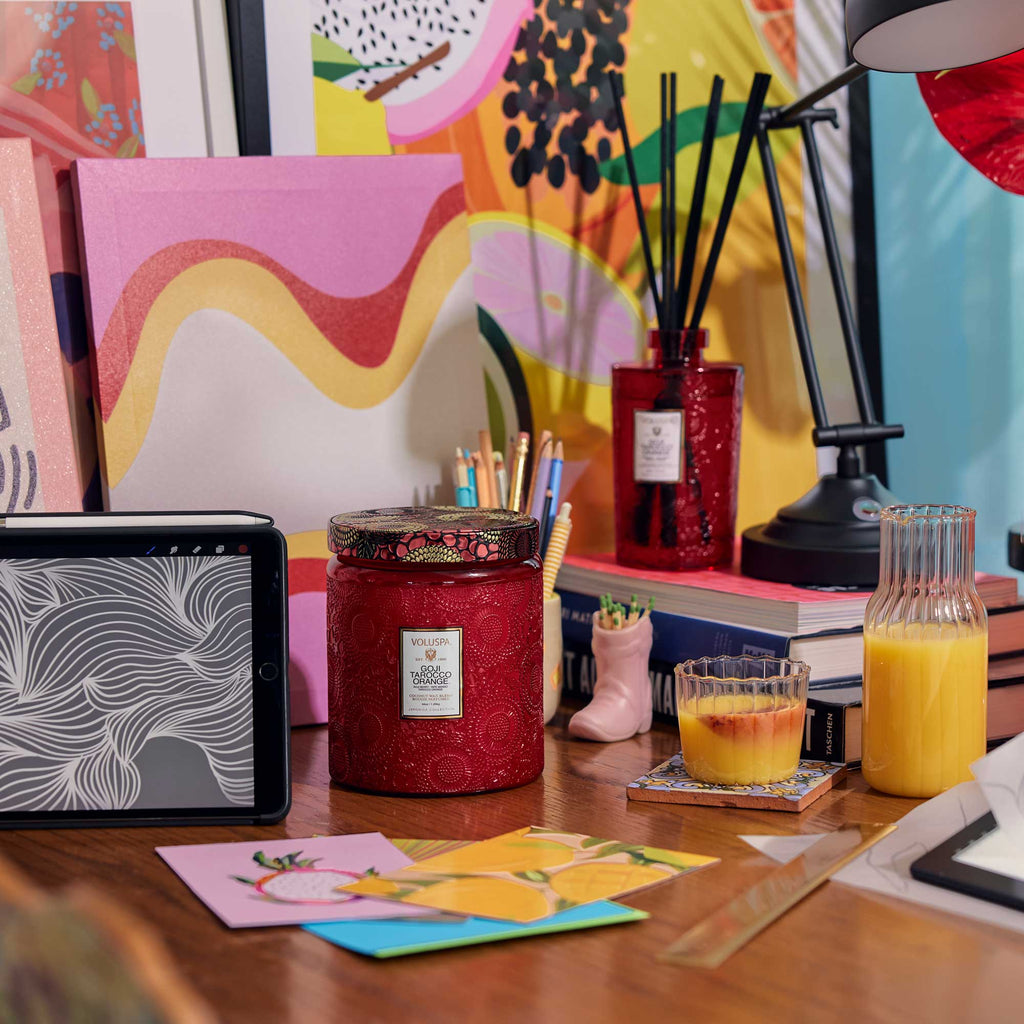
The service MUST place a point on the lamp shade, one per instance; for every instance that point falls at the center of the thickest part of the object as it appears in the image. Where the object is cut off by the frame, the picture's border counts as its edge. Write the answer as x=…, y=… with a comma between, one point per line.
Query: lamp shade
x=932, y=35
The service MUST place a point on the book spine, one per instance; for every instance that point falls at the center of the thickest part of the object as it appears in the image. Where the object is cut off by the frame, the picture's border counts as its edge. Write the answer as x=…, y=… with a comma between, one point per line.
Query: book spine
x=580, y=673
x=825, y=731
x=676, y=637
x=824, y=723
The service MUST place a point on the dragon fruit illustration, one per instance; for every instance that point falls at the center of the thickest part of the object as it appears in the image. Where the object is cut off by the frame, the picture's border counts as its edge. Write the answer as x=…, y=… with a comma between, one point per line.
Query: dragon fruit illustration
x=294, y=880
x=428, y=63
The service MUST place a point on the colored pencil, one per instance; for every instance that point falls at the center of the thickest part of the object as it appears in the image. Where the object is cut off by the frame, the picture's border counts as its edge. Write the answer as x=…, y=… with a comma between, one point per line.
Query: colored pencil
x=501, y=475
x=516, y=493
x=483, y=483
x=487, y=456
x=463, y=494
x=470, y=469
x=556, y=547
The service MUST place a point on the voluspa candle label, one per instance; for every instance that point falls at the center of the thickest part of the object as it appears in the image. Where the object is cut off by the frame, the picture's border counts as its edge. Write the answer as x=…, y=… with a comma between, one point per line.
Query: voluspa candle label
x=431, y=668
x=658, y=447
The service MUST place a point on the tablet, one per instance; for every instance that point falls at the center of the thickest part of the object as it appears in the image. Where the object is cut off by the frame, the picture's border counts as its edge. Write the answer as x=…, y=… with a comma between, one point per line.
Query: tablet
x=143, y=672
x=964, y=863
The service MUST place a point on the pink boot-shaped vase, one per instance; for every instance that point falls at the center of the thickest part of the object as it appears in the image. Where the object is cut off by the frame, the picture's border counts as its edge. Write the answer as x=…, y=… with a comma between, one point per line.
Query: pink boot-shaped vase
x=621, y=706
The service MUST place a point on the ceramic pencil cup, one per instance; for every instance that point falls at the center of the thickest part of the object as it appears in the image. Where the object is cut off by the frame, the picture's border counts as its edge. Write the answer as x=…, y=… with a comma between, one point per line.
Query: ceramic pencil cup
x=552, y=656
x=622, y=702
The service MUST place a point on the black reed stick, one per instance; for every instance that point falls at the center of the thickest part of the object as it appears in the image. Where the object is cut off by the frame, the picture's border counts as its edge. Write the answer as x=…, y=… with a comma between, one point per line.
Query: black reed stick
x=700, y=184
x=670, y=313
x=666, y=279
x=751, y=115
x=615, y=80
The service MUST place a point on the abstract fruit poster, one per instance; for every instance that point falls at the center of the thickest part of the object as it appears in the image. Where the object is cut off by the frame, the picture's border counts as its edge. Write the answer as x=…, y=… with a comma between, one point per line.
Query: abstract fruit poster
x=520, y=89
x=287, y=881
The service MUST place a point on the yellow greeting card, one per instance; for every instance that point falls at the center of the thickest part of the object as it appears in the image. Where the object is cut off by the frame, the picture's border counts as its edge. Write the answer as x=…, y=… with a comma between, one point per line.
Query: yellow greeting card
x=528, y=874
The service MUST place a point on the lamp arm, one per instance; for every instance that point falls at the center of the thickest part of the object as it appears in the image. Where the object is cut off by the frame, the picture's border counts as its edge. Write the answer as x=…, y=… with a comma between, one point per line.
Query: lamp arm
x=851, y=336
x=849, y=74
x=791, y=277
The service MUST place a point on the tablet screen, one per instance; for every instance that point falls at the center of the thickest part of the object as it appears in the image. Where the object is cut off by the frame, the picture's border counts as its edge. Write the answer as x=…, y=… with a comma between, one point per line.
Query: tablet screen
x=126, y=683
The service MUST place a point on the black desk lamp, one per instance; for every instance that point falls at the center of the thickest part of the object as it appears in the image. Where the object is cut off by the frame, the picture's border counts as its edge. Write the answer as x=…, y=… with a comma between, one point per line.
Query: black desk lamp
x=830, y=535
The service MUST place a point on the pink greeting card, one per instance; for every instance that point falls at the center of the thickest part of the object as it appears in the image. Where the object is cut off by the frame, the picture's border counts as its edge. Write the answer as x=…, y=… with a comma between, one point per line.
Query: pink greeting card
x=288, y=881
x=292, y=335
x=37, y=461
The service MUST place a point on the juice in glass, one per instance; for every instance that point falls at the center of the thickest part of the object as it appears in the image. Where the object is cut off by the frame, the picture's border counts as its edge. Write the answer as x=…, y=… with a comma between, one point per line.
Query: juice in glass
x=741, y=719
x=924, y=708
x=741, y=739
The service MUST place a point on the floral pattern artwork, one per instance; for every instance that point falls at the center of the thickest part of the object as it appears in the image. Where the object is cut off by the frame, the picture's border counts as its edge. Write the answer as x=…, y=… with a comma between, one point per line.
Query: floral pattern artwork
x=672, y=775
x=980, y=112
x=69, y=80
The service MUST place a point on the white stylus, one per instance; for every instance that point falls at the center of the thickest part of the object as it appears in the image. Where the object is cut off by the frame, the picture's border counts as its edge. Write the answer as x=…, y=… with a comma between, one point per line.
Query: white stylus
x=120, y=521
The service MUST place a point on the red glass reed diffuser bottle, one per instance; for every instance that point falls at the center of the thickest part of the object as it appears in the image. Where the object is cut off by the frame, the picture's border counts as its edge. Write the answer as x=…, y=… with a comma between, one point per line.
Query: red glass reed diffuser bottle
x=676, y=430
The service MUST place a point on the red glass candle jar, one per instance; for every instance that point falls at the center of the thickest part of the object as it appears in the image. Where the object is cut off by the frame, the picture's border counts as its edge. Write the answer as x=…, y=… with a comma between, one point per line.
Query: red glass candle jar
x=435, y=650
x=676, y=439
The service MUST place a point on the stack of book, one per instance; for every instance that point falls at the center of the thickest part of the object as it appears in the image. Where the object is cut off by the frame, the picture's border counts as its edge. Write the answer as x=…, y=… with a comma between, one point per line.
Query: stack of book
x=709, y=613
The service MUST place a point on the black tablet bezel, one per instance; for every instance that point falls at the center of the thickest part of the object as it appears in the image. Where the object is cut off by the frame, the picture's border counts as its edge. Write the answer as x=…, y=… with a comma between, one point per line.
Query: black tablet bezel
x=938, y=867
x=267, y=552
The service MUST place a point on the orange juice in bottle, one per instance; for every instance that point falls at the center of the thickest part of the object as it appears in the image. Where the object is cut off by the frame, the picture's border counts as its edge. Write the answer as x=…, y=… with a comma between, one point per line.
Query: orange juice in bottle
x=925, y=654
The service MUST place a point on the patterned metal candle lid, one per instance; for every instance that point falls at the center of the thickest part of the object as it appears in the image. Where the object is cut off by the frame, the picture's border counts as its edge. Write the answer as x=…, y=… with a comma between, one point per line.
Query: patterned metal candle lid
x=436, y=535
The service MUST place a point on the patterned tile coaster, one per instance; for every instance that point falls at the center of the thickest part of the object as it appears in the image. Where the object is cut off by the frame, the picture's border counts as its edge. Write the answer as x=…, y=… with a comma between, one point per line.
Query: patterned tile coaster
x=669, y=783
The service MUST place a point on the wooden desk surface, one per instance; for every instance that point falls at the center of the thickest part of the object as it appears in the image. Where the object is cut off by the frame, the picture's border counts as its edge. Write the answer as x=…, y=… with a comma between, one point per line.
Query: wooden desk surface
x=842, y=954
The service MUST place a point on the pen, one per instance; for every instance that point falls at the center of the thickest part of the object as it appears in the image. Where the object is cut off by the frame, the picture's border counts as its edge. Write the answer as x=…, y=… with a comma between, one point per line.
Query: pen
x=543, y=520
x=555, y=482
x=556, y=547
x=543, y=445
x=541, y=479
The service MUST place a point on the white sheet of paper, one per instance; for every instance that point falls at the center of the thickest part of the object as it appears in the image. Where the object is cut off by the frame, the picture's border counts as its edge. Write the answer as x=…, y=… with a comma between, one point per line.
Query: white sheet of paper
x=996, y=852
x=1001, y=775
x=885, y=868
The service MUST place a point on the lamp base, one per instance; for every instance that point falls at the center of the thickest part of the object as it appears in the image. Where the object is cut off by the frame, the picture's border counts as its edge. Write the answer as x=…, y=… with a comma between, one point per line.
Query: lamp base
x=827, y=538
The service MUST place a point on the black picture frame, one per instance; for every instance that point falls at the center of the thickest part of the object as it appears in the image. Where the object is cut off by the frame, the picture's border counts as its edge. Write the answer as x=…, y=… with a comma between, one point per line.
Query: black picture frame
x=247, y=42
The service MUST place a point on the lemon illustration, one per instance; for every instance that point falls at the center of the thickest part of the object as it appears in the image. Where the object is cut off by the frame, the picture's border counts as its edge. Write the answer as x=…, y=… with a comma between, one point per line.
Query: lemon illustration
x=675, y=858
x=505, y=853
x=486, y=897
x=372, y=886
x=597, y=881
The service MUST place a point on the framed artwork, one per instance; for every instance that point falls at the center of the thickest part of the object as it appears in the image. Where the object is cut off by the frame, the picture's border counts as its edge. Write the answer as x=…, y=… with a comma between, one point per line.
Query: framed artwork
x=519, y=89
x=291, y=335
x=37, y=460
x=99, y=79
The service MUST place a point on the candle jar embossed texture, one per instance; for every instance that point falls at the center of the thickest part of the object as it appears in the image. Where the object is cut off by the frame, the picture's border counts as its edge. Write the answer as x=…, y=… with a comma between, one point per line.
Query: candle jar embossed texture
x=676, y=431
x=435, y=650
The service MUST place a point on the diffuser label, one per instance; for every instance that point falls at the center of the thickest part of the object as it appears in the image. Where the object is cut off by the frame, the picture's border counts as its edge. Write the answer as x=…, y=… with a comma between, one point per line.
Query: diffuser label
x=431, y=669
x=658, y=447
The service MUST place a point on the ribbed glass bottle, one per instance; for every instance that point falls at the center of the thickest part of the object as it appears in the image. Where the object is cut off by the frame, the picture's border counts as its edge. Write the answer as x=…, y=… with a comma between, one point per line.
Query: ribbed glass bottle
x=925, y=654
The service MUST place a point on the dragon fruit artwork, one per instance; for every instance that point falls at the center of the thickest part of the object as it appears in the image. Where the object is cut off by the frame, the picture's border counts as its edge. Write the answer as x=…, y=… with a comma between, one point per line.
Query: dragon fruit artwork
x=294, y=880
x=427, y=63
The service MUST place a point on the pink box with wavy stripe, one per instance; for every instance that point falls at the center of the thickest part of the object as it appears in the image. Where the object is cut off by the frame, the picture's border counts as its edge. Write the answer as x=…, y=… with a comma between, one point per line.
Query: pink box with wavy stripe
x=292, y=335
x=38, y=471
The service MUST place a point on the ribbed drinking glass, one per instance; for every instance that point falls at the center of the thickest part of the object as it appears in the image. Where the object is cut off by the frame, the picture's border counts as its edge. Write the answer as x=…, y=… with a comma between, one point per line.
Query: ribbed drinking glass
x=925, y=654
